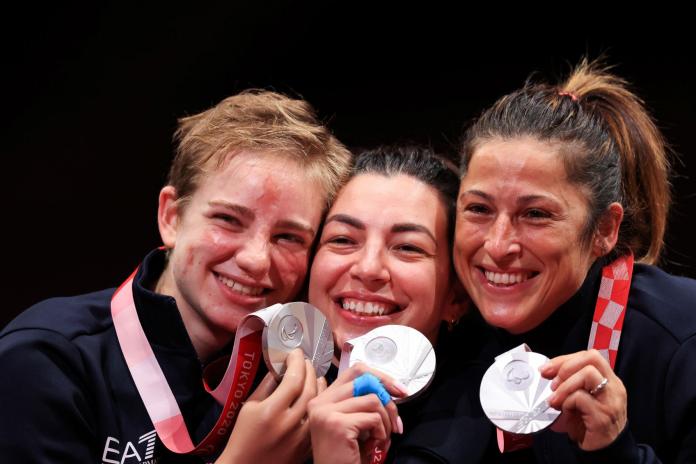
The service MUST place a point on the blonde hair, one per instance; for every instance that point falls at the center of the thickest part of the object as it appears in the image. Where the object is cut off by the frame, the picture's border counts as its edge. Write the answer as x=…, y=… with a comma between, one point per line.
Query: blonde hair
x=258, y=121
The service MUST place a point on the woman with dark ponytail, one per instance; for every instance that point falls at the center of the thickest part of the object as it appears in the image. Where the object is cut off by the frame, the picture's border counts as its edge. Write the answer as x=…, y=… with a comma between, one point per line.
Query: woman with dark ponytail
x=561, y=216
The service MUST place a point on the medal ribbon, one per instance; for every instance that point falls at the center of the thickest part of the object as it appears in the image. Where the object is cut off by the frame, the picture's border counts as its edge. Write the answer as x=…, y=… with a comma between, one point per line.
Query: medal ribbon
x=605, y=332
x=155, y=392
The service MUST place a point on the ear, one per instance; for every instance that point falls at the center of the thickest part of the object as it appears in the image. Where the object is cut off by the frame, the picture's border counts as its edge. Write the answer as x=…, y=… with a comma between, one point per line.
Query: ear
x=457, y=303
x=168, y=215
x=607, y=233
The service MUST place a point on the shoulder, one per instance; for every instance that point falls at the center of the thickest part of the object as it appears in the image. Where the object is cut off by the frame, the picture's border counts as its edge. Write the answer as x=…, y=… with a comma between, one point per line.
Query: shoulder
x=68, y=316
x=666, y=302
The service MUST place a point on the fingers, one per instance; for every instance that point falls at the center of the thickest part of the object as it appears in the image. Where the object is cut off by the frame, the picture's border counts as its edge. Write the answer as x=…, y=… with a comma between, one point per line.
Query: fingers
x=366, y=404
x=298, y=410
x=591, y=397
x=585, y=379
x=321, y=385
x=394, y=387
x=293, y=382
x=566, y=365
x=600, y=422
x=264, y=389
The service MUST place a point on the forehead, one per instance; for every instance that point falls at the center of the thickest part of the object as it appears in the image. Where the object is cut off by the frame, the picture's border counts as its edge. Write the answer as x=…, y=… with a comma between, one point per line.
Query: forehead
x=518, y=162
x=520, y=156
x=264, y=173
x=378, y=199
x=273, y=185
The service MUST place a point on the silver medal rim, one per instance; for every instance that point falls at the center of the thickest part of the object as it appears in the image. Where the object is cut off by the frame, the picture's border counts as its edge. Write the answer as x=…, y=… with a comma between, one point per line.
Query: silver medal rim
x=402, y=336
x=317, y=339
x=526, y=401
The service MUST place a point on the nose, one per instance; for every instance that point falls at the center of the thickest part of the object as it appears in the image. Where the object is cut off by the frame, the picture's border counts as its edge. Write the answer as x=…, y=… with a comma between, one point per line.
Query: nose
x=254, y=257
x=370, y=266
x=501, y=240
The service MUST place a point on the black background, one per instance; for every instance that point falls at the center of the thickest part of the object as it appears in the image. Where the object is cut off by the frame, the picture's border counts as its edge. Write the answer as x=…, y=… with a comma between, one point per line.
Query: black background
x=92, y=93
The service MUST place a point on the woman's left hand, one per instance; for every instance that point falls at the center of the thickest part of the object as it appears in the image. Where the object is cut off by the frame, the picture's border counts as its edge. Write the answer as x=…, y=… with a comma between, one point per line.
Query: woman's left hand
x=593, y=410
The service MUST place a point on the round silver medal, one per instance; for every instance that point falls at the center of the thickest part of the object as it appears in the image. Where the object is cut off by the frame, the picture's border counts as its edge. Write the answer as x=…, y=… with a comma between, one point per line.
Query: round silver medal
x=298, y=325
x=514, y=395
x=399, y=351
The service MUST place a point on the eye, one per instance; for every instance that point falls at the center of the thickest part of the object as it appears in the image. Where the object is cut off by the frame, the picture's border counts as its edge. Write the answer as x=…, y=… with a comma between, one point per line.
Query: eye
x=476, y=208
x=536, y=213
x=227, y=218
x=290, y=238
x=410, y=249
x=340, y=240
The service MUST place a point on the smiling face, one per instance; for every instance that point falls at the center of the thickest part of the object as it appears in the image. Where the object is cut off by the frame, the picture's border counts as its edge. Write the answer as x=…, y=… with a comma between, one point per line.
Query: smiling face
x=518, y=248
x=240, y=244
x=383, y=258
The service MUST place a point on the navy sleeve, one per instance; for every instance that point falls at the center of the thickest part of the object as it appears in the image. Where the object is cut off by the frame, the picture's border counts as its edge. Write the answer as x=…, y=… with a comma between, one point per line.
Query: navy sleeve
x=45, y=414
x=679, y=419
x=680, y=403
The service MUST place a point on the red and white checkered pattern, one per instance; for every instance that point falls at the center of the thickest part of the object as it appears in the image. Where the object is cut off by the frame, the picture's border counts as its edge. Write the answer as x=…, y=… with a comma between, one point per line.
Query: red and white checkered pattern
x=610, y=309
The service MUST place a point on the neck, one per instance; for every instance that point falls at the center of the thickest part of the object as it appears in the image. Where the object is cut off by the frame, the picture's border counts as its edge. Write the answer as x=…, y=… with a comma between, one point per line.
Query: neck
x=206, y=341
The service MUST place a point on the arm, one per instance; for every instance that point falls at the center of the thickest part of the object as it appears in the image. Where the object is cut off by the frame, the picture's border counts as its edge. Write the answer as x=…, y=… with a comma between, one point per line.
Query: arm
x=45, y=415
x=272, y=426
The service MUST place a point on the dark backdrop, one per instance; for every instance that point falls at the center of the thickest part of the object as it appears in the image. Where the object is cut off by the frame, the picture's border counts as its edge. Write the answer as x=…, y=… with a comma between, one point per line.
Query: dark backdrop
x=92, y=93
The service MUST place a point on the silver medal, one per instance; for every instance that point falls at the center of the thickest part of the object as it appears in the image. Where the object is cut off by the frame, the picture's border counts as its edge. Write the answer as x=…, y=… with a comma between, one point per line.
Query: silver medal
x=514, y=395
x=298, y=325
x=399, y=351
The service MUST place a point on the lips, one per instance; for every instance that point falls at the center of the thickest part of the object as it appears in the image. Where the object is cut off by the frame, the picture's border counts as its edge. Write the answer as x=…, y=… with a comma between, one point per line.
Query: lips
x=242, y=289
x=507, y=279
x=369, y=308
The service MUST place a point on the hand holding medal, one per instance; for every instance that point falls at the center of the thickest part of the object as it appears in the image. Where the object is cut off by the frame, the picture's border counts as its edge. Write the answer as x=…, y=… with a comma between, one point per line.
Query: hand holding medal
x=524, y=392
x=356, y=416
x=591, y=397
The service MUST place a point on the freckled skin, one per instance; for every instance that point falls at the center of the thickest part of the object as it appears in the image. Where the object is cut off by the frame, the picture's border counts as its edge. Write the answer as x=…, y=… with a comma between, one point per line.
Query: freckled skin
x=210, y=240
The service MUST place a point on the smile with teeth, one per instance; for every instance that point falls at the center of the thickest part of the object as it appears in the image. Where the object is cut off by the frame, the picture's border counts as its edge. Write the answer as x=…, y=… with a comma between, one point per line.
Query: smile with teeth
x=240, y=288
x=506, y=278
x=367, y=308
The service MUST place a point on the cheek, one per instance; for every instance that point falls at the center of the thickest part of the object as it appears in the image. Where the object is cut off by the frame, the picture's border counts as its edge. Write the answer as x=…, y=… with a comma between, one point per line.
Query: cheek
x=291, y=266
x=467, y=239
x=424, y=285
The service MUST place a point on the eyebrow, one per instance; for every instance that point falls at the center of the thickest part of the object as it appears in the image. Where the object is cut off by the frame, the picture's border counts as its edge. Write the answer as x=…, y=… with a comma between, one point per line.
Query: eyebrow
x=396, y=228
x=411, y=227
x=249, y=214
x=521, y=200
x=239, y=209
x=298, y=226
x=478, y=193
x=345, y=219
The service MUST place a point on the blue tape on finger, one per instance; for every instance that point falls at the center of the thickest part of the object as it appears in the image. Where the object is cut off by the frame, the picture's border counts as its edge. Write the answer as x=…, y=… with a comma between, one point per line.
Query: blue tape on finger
x=368, y=383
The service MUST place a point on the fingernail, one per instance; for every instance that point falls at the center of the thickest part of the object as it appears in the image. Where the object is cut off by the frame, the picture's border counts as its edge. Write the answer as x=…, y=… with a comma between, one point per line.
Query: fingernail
x=554, y=383
x=551, y=399
x=401, y=387
x=399, y=425
x=544, y=366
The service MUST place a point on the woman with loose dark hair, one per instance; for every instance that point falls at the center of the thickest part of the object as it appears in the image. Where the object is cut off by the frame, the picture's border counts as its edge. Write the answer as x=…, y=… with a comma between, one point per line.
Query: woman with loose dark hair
x=565, y=187
x=383, y=258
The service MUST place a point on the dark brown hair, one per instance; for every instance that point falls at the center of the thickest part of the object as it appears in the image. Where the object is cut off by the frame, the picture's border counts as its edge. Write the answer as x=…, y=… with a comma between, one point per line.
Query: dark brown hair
x=609, y=144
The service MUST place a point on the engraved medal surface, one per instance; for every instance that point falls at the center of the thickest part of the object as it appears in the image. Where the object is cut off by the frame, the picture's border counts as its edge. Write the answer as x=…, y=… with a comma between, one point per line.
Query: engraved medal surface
x=514, y=394
x=298, y=325
x=400, y=352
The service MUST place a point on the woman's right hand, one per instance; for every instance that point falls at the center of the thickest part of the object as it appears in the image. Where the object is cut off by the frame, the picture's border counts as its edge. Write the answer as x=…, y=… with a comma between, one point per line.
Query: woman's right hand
x=272, y=425
x=349, y=429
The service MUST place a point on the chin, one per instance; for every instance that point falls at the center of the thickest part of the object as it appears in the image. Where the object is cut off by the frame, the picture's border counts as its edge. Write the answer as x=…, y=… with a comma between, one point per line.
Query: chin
x=504, y=318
